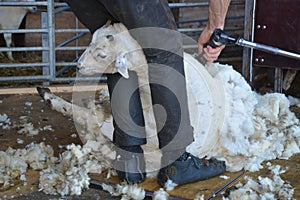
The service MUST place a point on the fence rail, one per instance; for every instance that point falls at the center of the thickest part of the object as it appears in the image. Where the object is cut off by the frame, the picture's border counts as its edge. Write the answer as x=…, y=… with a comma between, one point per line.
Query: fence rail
x=49, y=49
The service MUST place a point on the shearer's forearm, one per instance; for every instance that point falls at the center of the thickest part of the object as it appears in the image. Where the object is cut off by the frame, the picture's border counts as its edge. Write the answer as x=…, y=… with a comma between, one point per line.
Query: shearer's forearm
x=217, y=13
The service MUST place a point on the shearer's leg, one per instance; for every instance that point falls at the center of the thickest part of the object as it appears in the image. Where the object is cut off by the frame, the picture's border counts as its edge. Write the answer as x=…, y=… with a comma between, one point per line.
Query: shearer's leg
x=91, y=13
x=129, y=131
x=163, y=48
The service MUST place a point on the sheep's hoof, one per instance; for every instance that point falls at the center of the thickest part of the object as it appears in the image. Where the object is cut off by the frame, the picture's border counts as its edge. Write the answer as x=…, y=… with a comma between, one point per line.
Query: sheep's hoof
x=42, y=91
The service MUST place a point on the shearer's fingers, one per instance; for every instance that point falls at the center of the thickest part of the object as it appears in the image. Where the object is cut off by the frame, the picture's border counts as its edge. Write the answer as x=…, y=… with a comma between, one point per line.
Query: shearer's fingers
x=212, y=54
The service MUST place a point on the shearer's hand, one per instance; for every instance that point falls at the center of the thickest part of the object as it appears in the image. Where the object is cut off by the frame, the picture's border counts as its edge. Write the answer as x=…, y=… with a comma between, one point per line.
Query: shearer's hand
x=210, y=54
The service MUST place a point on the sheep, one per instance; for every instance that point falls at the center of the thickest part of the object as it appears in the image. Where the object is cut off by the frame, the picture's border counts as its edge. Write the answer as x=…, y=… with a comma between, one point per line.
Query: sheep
x=112, y=50
x=218, y=96
x=242, y=127
x=11, y=18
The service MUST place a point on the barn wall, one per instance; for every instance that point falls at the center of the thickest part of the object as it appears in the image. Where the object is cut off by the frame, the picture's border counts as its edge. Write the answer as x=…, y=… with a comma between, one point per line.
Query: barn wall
x=65, y=20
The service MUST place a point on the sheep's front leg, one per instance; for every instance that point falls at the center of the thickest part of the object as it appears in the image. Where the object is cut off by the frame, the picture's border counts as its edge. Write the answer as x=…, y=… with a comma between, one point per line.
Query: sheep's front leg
x=8, y=41
x=66, y=108
x=146, y=101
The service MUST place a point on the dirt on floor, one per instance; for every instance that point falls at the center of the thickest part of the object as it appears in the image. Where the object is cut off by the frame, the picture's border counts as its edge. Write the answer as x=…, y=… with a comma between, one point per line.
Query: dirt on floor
x=63, y=132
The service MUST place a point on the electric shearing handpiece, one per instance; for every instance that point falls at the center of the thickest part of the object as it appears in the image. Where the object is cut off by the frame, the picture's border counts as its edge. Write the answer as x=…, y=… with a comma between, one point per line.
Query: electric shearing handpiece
x=219, y=38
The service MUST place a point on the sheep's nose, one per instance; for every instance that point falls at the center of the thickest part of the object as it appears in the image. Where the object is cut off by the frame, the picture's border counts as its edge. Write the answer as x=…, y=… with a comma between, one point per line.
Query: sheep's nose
x=79, y=66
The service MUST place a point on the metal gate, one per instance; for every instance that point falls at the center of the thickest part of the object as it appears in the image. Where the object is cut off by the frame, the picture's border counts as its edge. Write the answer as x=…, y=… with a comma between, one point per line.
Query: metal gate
x=49, y=73
x=49, y=47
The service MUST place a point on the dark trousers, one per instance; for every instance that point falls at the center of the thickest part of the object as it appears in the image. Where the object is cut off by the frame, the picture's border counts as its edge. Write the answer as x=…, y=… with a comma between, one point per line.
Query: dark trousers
x=163, y=50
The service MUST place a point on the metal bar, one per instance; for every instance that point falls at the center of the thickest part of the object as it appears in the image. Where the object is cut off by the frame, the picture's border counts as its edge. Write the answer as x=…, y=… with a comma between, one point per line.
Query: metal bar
x=247, y=35
x=66, y=64
x=70, y=48
x=36, y=3
x=17, y=65
x=43, y=64
x=23, y=48
x=190, y=29
x=51, y=28
x=252, y=39
x=76, y=25
x=84, y=30
x=214, y=195
x=48, y=78
x=268, y=49
x=24, y=31
x=287, y=54
x=45, y=54
x=24, y=78
x=102, y=78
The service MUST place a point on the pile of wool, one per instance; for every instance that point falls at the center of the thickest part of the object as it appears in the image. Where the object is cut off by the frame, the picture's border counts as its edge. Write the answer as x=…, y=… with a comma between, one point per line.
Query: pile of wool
x=5, y=122
x=69, y=175
x=263, y=188
x=127, y=192
x=199, y=197
x=160, y=194
x=256, y=127
x=14, y=162
x=66, y=175
x=294, y=101
x=25, y=127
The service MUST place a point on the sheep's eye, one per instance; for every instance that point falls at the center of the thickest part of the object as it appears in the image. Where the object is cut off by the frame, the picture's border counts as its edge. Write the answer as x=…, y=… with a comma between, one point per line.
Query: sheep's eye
x=102, y=56
x=110, y=37
x=99, y=53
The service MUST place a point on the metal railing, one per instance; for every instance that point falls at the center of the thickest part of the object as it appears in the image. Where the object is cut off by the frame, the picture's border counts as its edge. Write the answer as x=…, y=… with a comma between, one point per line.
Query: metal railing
x=49, y=49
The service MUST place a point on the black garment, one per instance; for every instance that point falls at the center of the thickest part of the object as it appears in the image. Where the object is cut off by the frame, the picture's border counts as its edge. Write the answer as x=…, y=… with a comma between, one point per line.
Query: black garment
x=188, y=169
x=166, y=70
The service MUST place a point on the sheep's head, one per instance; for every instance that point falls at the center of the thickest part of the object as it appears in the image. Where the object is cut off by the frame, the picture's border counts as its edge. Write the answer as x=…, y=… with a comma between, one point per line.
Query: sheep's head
x=108, y=51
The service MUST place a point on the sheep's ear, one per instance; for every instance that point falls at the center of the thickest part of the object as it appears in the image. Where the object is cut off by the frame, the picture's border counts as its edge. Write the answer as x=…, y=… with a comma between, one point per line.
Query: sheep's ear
x=122, y=65
x=108, y=23
x=123, y=72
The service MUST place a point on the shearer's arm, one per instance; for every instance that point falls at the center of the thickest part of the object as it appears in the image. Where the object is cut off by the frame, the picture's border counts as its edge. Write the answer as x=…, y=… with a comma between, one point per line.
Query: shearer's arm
x=216, y=19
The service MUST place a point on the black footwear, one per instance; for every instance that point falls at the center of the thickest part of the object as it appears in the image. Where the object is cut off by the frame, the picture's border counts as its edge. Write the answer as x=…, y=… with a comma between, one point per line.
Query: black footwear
x=130, y=164
x=188, y=169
